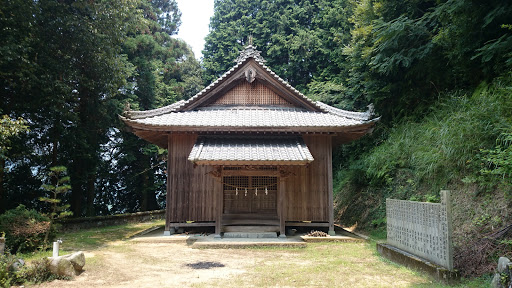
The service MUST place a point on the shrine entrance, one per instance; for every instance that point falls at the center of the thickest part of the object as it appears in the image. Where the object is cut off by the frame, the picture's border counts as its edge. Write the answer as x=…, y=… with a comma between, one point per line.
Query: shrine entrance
x=250, y=195
x=250, y=198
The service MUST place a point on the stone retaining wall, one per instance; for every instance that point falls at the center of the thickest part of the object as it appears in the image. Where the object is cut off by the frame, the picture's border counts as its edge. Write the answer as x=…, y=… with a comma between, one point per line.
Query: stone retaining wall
x=71, y=224
x=423, y=229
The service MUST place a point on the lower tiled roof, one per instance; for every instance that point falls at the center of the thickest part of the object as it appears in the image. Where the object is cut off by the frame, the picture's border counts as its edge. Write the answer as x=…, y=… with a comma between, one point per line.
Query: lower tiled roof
x=250, y=150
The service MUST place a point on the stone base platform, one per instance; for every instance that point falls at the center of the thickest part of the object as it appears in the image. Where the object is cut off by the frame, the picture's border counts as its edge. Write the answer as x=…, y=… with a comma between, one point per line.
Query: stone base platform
x=204, y=240
x=241, y=243
x=250, y=235
x=414, y=262
x=336, y=238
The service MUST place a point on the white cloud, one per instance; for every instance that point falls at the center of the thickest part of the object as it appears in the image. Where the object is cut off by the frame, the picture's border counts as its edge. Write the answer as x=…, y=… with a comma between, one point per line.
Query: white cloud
x=195, y=18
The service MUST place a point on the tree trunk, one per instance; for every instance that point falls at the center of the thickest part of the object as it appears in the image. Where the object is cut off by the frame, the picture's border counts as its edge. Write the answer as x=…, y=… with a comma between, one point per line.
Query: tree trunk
x=3, y=200
x=91, y=194
x=76, y=170
x=145, y=188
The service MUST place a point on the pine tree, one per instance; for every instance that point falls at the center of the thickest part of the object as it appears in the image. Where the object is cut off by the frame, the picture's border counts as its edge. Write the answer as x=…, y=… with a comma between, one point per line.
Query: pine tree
x=59, y=187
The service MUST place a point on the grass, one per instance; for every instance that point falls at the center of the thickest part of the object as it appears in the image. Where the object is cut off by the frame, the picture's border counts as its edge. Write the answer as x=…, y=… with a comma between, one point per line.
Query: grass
x=332, y=265
x=415, y=159
x=88, y=239
x=94, y=238
x=317, y=265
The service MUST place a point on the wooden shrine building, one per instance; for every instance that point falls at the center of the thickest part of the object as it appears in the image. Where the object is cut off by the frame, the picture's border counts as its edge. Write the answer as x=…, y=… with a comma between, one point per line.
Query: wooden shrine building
x=249, y=149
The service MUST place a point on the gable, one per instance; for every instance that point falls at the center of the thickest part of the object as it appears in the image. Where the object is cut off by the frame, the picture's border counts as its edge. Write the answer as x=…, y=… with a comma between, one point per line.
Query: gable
x=265, y=88
x=250, y=94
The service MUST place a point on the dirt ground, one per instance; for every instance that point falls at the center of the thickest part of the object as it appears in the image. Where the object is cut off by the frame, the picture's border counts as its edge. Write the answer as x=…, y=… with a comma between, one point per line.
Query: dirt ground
x=148, y=264
x=126, y=264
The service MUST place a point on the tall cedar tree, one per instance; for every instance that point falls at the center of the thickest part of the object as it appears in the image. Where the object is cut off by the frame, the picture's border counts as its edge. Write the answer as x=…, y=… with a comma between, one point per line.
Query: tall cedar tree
x=299, y=39
x=64, y=68
x=165, y=71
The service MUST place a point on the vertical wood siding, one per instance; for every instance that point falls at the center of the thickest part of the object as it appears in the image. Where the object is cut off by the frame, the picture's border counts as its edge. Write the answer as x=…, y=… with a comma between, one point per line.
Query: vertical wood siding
x=251, y=94
x=306, y=196
x=191, y=191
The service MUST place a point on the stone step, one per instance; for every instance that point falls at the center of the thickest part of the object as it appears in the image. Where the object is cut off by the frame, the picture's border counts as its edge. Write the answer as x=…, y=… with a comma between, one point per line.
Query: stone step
x=256, y=229
x=250, y=235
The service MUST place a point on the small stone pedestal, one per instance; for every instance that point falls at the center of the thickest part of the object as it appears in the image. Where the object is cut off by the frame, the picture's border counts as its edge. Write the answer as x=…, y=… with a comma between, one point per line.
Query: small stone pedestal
x=503, y=276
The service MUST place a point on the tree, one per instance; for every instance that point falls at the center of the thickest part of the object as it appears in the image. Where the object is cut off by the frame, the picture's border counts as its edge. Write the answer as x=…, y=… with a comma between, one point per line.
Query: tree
x=299, y=39
x=404, y=54
x=8, y=129
x=165, y=71
x=58, y=187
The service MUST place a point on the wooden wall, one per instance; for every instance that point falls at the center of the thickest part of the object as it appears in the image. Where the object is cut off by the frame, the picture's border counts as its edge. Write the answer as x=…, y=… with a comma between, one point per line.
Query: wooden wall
x=306, y=195
x=191, y=191
x=191, y=196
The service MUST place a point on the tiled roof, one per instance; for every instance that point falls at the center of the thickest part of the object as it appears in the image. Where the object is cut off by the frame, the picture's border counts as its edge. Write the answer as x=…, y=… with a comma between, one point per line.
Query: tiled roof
x=243, y=59
x=248, y=117
x=159, y=111
x=250, y=150
x=312, y=116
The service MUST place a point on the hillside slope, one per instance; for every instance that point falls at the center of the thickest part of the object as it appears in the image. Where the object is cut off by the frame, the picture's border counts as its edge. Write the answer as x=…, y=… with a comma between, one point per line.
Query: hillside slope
x=463, y=144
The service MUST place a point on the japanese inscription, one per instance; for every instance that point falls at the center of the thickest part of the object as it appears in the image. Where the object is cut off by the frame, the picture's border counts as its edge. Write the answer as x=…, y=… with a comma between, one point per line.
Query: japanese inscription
x=422, y=228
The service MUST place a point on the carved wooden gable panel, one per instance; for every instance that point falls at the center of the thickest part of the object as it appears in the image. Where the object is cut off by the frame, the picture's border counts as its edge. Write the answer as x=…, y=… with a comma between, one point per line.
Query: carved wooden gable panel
x=251, y=94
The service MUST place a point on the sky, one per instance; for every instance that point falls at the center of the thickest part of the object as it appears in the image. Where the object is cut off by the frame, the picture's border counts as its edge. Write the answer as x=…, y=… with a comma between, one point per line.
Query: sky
x=195, y=18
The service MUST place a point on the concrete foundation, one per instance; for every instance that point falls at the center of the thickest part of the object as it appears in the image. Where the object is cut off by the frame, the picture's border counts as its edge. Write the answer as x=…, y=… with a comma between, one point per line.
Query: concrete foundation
x=411, y=261
x=250, y=235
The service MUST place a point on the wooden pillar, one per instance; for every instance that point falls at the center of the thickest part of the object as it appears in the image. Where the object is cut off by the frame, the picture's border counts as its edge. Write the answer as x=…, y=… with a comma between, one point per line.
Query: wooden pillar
x=280, y=207
x=168, y=197
x=219, y=206
x=330, y=193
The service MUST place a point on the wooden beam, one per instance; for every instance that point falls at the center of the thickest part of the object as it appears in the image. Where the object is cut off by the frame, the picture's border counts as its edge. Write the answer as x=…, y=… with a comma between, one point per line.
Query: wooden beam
x=168, y=194
x=250, y=173
x=219, y=206
x=193, y=224
x=330, y=193
x=280, y=208
x=307, y=224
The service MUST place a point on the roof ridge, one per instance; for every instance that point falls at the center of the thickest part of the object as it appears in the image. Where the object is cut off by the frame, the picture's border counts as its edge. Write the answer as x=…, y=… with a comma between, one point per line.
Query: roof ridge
x=363, y=116
x=154, y=112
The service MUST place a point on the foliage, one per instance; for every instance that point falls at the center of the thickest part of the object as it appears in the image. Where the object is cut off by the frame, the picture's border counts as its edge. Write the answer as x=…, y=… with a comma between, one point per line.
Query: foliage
x=68, y=68
x=59, y=187
x=24, y=229
x=7, y=273
x=36, y=272
x=430, y=154
x=442, y=151
x=301, y=40
x=499, y=159
x=404, y=54
x=165, y=71
x=9, y=128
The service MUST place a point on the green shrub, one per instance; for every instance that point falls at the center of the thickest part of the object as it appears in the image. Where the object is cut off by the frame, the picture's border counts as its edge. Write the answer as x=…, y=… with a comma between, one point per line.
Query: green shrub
x=37, y=272
x=24, y=229
x=7, y=273
x=452, y=145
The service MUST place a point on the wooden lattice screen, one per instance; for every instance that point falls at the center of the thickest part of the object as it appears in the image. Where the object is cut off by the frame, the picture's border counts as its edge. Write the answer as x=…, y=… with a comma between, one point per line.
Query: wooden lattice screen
x=247, y=194
x=250, y=94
